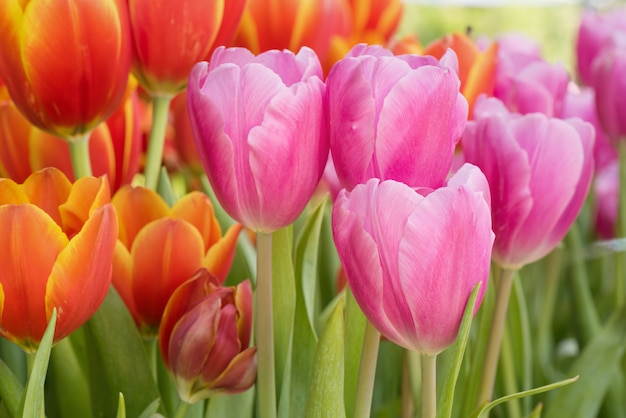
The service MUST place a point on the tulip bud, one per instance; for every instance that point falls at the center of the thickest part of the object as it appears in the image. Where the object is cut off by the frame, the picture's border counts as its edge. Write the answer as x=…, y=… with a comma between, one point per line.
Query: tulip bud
x=205, y=336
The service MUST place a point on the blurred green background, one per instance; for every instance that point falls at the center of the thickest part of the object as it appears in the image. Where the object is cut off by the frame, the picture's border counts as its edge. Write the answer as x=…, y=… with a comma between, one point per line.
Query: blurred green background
x=554, y=27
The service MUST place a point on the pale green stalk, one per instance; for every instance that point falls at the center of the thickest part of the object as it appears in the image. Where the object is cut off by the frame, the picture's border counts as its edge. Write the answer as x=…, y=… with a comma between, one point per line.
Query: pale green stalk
x=264, y=330
x=367, y=372
x=429, y=386
x=79, y=153
x=154, y=156
x=503, y=293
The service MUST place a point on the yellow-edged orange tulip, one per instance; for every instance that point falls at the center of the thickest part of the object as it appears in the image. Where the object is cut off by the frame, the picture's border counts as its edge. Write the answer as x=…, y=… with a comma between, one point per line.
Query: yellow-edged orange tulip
x=170, y=36
x=56, y=246
x=477, y=69
x=160, y=247
x=66, y=62
x=114, y=148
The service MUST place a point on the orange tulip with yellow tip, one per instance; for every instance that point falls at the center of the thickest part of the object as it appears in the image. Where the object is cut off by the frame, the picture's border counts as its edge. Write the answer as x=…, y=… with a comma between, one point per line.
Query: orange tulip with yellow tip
x=114, y=147
x=160, y=247
x=56, y=248
x=477, y=69
x=66, y=62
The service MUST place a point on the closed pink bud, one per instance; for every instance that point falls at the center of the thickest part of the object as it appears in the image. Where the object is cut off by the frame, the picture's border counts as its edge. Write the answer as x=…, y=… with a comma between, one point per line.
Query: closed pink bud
x=394, y=117
x=539, y=170
x=413, y=257
x=260, y=130
x=204, y=338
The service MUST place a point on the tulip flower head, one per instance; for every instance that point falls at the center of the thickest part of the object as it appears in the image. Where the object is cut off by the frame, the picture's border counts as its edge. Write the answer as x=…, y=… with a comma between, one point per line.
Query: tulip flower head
x=56, y=246
x=160, y=247
x=412, y=258
x=65, y=63
x=394, y=117
x=539, y=170
x=259, y=126
x=205, y=336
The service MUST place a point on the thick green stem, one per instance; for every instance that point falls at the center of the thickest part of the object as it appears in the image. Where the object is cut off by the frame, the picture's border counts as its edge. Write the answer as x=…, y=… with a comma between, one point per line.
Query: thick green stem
x=154, y=156
x=182, y=410
x=429, y=386
x=367, y=372
x=408, y=406
x=507, y=362
x=79, y=153
x=264, y=331
x=490, y=365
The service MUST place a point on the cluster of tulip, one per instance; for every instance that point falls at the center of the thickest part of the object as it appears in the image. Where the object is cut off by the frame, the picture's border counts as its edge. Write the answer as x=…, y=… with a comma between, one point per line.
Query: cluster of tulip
x=418, y=182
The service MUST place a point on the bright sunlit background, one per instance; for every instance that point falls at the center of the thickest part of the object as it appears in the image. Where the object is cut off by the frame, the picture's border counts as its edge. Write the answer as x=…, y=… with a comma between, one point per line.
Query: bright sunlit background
x=552, y=23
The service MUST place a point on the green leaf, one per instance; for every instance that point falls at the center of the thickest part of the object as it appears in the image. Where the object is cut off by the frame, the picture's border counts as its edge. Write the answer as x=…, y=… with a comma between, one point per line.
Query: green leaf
x=484, y=411
x=164, y=188
x=33, y=397
x=10, y=390
x=599, y=359
x=326, y=389
x=240, y=405
x=150, y=410
x=121, y=407
x=536, y=413
x=355, y=331
x=447, y=396
x=117, y=360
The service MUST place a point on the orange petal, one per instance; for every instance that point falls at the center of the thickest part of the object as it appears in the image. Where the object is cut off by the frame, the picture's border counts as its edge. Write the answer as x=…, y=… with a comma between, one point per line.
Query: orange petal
x=48, y=189
x=165, y=254
x=197, y=209
x=463, y=46
x=482, y=76
x=47, y=150
x=86, y=195
x=136, y=207
x=122, y=277
x=81, y=276
x=30, y=244
x=220, y=256
x=14, y=129
x=11, y=193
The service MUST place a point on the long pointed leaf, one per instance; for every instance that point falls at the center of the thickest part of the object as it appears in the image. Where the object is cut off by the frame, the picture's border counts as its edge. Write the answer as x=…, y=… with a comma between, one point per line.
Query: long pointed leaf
x=10, y=390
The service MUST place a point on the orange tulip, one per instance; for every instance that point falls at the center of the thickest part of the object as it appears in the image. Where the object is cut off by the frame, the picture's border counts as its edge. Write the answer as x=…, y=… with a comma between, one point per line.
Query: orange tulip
x=291, y=24
x=56, y=246
x=160, y=247
x=205, y=335
x=65, y=63
x=477, y=69
x=115, y=146
x=170, y=36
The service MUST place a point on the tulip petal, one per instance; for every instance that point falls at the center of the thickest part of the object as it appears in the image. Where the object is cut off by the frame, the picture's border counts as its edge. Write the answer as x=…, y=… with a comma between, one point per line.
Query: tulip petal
x=290, y=143
x=11, y=193
x=122, y=278
x=136, y=207
x=239, y=375
x=48, y=189
x=411, y=131
x=159, y=269
x=445, y=251
x=196, y=208
x=243, y=301
x=225, y=345
x=220, y=255
x=30, y=244
x=82, y=272
x=87, y=195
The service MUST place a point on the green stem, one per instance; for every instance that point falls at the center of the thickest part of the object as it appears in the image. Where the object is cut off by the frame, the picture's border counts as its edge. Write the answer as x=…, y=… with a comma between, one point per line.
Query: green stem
x=429, y=386
x=264, y=331
x=182, y=410
x=507, y=363
x=503, y=293
x=620, y=261
x=408, y=406
x=549, y=295
x=150, y=344
x=30, y=362
x=79, y=153
x=367, y=372
x=154, y=156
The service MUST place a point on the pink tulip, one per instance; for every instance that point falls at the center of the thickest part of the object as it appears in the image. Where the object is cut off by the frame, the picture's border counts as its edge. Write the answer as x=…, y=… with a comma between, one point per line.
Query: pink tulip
x=413, y=257
x=581, y=103
x=607, y=77
x=593, y=31
x=606, y=190
x=259, y=126
x=539, y=170
x=204, y=338
x=394, y=117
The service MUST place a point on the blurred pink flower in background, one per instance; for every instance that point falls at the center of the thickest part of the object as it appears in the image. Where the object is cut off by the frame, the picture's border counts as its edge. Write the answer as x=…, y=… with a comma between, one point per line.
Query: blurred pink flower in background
x=413, y=257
